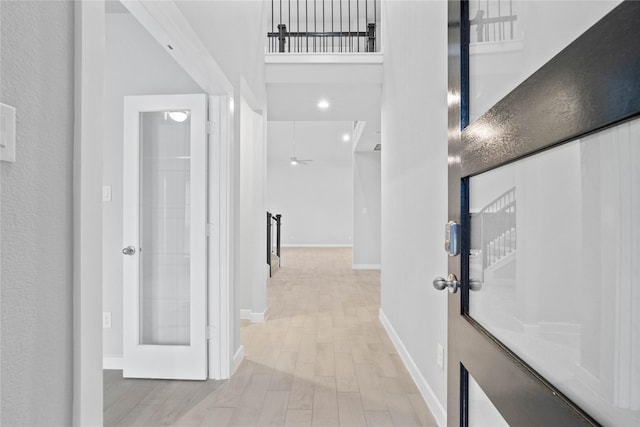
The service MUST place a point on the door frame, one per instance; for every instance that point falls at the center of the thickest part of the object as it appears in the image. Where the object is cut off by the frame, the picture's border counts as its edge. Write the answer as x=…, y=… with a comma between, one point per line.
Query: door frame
x=539, y=117
x=89, y=33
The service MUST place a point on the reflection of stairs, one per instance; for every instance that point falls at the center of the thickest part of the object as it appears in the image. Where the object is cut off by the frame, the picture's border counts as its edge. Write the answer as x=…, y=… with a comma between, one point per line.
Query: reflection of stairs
x=275, y=263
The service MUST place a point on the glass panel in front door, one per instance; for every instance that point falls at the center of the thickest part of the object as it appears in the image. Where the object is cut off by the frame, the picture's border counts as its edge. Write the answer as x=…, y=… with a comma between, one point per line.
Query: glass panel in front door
x=511, y=39
x=482, y=413
x=555, y=267
x=165, y=142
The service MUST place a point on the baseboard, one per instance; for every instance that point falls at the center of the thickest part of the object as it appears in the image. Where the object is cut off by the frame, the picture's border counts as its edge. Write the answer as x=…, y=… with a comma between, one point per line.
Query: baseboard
x=365, y=266
x=306, y=245
x=253, y=316
x=427, y=393
x=237, y=359
x=112, y=362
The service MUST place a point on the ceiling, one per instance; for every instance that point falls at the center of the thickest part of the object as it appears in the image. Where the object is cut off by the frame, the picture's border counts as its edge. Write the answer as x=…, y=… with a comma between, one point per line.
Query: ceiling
x=320, y=141
x=352, y=85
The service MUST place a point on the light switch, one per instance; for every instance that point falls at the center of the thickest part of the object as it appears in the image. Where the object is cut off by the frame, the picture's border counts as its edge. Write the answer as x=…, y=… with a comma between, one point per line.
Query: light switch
x=440, y=357
x=106, y=193
x=7, y=133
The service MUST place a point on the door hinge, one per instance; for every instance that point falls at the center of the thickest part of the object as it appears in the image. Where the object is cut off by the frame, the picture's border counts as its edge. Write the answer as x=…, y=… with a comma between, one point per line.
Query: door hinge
x=211, y=126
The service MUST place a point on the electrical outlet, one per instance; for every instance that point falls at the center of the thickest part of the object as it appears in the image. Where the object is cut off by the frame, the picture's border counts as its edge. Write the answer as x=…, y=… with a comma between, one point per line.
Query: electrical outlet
x=440, y=357
x=106, y=319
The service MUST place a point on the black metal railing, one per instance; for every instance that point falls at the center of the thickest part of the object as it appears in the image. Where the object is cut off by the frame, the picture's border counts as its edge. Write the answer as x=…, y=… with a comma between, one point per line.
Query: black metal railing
x=324, y=26
x=494, y=20
x=273, y=236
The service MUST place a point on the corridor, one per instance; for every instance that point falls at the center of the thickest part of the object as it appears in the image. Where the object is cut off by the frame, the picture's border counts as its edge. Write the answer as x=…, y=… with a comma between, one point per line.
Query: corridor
x=322, y=358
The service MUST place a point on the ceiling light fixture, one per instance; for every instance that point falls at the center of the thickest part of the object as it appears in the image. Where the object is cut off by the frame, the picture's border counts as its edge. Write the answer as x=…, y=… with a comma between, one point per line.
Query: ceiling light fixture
x=178, y=116
x=346, y=137
x=323, y=104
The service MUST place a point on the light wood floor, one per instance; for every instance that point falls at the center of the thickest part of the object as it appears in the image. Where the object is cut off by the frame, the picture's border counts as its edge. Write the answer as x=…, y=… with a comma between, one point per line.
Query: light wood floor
x=322, y=358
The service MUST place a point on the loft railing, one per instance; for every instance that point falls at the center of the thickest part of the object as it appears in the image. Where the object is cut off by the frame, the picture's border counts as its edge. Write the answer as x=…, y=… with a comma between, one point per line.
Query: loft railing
x=323, y=26
x=494, y=20
x=273, y=239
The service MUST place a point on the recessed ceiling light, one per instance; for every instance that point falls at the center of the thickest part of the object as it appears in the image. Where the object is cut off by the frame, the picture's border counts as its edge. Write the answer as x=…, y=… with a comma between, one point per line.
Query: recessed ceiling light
x=346, y=137
x=323, y=104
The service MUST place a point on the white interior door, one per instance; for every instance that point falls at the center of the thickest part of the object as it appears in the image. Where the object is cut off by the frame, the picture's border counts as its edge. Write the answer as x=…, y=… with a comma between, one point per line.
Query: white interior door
x=164, y=241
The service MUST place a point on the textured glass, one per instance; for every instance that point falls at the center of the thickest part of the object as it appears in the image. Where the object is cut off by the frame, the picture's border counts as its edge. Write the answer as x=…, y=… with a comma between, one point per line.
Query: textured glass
x=482, y=413
x=555, y=264
x=511, y=39
x=164, y=229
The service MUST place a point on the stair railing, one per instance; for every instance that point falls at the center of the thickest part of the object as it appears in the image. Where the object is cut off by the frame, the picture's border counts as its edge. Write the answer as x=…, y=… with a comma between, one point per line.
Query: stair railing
x=273, y=236
x=324, y=26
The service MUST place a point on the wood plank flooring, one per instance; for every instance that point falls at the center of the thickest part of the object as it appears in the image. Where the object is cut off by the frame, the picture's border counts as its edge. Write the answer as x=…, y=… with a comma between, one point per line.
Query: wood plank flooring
x=322, y=358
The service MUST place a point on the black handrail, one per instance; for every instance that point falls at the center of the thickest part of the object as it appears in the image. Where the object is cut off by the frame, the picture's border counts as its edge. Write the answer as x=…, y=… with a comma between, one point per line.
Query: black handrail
x=324, y=41
x=270, y=220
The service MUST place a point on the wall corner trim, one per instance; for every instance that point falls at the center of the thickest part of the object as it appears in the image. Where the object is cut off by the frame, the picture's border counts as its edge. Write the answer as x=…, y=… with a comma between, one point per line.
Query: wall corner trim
x=427, y=393
x=113, y=362
x=237, y=360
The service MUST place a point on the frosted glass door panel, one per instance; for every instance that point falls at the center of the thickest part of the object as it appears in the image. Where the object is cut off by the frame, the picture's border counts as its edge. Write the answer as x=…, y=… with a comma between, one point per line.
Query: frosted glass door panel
x=555, y=267
x=482, y=413
x=165, y=229
x=511, y=39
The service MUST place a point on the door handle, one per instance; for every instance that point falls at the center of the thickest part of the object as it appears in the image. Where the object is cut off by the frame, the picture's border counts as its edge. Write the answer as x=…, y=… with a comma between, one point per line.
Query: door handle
x=450, y=283
x=129, y=250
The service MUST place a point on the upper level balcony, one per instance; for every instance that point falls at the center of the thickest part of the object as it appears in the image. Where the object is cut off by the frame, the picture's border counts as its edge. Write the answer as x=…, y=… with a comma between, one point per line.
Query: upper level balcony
x=323, y=26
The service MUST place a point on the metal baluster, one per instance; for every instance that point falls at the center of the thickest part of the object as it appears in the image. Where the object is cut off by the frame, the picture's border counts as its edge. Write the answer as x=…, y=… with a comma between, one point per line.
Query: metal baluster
x=324, y=39
x=350, y=46
x=306, y=25
x=340, y=25
x=289, y=27
x=511, y=20
x=298, y=25
x=366, y=20
x=358, y=24
x=501, y=25
x=332, y=32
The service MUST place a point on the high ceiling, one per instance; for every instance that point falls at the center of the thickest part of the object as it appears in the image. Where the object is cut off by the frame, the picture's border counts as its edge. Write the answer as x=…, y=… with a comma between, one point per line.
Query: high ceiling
x=320, y=141
x=294, y=84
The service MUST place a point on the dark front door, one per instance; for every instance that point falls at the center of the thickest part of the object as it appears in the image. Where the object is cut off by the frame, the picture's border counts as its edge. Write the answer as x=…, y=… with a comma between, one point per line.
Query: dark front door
x=544, y=326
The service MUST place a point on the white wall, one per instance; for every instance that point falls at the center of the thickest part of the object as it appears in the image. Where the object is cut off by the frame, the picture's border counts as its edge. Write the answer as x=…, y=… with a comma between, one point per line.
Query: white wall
x=366, y=209
x=414, y=187
x=315, y=200
x=37, y=48
x=251, y=280
x=135, y=64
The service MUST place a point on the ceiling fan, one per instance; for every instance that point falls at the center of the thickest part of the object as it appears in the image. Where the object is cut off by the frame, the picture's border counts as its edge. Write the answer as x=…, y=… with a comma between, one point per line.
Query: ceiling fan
x=293, y=159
